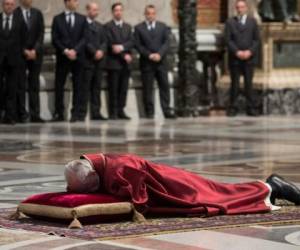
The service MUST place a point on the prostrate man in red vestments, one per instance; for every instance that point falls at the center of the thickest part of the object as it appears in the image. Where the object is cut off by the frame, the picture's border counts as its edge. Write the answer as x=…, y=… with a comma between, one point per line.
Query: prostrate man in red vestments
x=161, y=189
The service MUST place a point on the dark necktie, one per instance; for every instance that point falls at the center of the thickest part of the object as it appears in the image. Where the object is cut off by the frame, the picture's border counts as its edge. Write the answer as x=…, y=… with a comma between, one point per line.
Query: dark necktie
x=6, y=26
x=69, y=20
x=28, y=18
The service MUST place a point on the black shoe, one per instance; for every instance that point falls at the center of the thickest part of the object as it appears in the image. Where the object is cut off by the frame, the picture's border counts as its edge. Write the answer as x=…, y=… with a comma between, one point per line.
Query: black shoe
x=122, y=115
x=252, y=112
x=81, y=119
x=149, y=116
x=37, y=120
x=74, y=119
x=113, y=117
x=98, y=117
x=232, y=113
x=23, y=119
x=282, y=189
x=58, y=118
x=170, y=115
x=9, y=121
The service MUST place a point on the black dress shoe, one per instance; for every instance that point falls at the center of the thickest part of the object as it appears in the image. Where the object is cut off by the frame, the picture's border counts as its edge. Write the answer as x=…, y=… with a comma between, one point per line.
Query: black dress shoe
x=9, y=121
x=231, y=113
x=113, y=117
x=58, y=118
x=23, y=119
x=282, y=189
x=122, y=115
x=74, y=119
x=170, y=115
x=98, y=117
x=37, y=120
x=149, y=116
x=252, y=112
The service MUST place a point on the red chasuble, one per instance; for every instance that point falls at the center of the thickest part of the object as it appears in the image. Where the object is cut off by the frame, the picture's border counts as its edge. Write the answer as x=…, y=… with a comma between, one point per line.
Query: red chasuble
x=161, y=189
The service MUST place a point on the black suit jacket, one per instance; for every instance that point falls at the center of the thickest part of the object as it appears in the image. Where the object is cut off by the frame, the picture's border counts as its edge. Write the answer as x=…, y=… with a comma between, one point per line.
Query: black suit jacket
x=122, y=36
x=13, y=45
x=148, y=42
x=64, y=38
x=35, y=31
x=242, y=37
x=95, y=39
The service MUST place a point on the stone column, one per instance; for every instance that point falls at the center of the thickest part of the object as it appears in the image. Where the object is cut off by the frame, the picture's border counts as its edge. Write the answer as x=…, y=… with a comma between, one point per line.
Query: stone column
x=189, y=85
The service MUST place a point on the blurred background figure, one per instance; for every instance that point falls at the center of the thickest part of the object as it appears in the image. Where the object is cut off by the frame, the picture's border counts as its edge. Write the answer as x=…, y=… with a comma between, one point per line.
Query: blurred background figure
x=152, y=42
x=12, y=44
x=68, y=39
x=120, y=44
x=33, y=54
x=243, y=40
x=95, y=49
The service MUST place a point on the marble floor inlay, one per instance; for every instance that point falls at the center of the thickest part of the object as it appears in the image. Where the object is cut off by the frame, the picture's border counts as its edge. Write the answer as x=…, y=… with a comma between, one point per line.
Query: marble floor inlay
x=32, y=159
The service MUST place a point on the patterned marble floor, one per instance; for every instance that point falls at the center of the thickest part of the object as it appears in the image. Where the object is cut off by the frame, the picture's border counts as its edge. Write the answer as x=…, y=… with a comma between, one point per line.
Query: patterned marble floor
x=230, y=150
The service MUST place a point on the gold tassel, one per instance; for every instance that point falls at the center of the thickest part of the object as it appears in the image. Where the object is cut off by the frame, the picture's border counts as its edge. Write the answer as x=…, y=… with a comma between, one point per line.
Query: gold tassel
x=16, y=215
x=75, y=224
x=138, y=217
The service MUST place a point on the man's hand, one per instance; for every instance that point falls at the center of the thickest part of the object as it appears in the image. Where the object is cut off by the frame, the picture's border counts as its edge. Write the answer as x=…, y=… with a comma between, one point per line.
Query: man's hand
x=128, y=58
x=155, y=57
x=99, y=55
x=244, y=54
x=71, y=54
x=117, y=48
x=247, y=54
x=30, y=54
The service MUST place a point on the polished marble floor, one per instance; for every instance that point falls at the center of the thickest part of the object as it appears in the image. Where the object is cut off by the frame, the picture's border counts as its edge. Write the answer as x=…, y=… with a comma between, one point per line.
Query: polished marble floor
x=32, y=158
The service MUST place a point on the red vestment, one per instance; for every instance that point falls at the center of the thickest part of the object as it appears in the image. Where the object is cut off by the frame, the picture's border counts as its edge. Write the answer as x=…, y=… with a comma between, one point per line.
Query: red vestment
x=158, y=188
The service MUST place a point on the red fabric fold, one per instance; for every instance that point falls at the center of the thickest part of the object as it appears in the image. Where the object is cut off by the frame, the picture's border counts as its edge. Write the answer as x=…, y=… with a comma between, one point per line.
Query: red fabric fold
x=158, y=188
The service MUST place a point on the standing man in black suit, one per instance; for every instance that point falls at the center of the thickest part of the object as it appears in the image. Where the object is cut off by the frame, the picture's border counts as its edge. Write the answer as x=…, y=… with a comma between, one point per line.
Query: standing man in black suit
x=95, y=48
x=12, y=38
x=33, y=60
x=119, y=58
x=68, y=30
x=243, y=40
x=152, y=40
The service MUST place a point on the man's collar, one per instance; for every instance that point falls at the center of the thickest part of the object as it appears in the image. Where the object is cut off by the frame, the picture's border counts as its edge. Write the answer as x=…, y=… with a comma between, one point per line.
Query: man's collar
x=5, y=15
x=89, y=20
x=68, y=12
x=24, y=8
x=118, y=22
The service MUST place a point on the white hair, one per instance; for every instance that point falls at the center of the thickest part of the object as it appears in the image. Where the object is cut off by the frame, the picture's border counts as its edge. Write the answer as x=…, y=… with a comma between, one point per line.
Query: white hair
x=81, y=177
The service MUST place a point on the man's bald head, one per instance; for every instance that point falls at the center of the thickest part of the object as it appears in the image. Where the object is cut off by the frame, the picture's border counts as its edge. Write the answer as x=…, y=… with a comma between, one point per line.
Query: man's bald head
x=92, y=9
x=8, y=6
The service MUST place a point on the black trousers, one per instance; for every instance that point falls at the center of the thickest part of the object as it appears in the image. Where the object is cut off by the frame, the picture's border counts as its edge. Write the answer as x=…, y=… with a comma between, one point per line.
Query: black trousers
x=63, y=68
x=90, y=91
x=31, y=75
x=118, y=81
x=236, y=71
x=148, y=77
x=8, y=87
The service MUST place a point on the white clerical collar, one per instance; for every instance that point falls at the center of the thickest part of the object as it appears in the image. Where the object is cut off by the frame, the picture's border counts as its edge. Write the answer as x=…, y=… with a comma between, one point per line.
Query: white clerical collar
x=118, y=22
x=89, y=20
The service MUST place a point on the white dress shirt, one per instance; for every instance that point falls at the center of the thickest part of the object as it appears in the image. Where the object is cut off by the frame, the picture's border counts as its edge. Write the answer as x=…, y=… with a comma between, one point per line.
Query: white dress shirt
x=119, y=23
x=4, y=18
x=242, y=19
x=151, y=25
x=70, y=17
x=26, y=14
